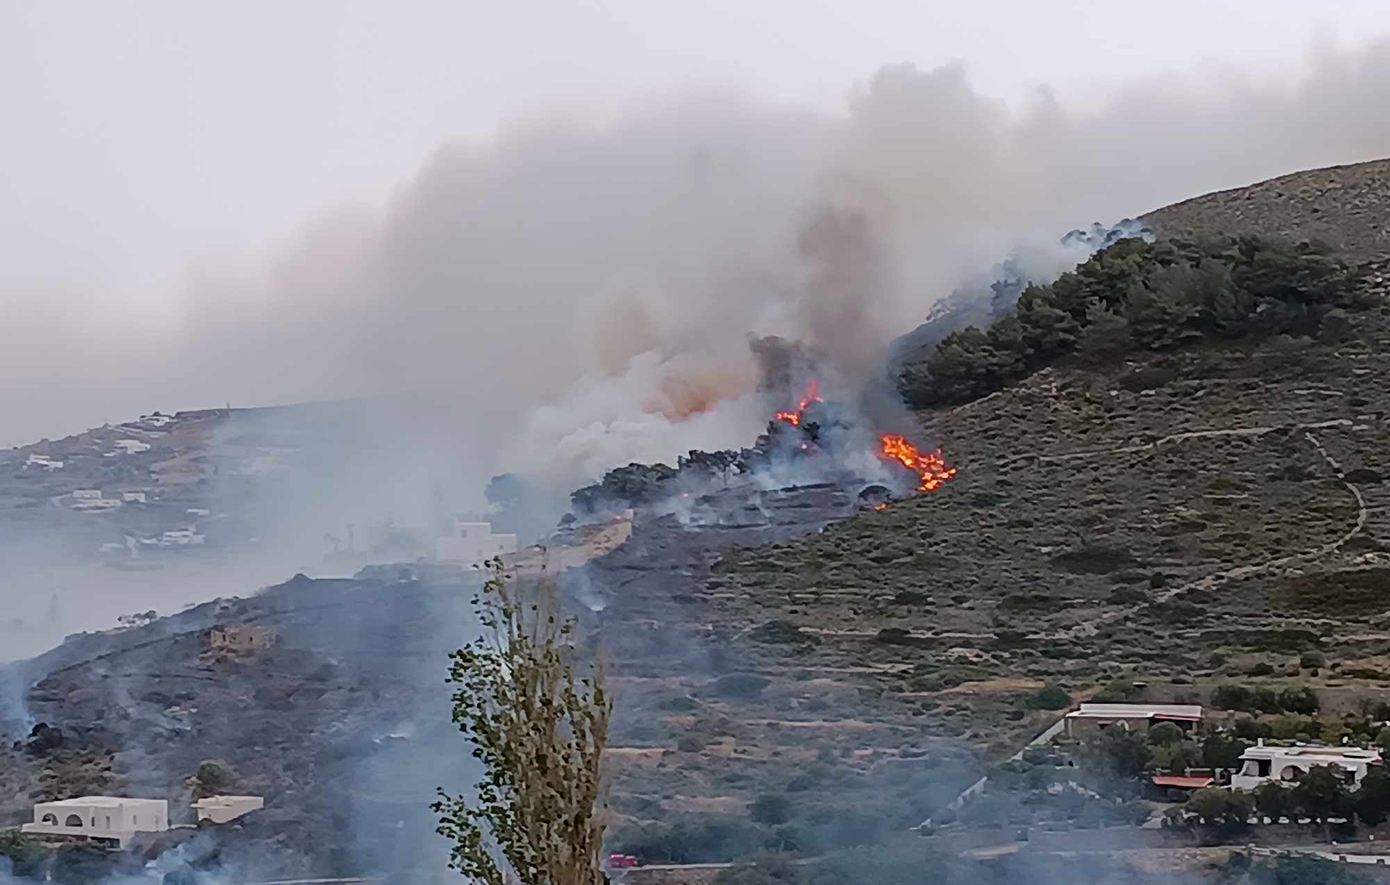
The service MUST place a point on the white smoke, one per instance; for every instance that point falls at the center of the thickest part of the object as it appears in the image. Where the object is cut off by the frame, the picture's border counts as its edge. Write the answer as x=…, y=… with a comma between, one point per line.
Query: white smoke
x=580, y=295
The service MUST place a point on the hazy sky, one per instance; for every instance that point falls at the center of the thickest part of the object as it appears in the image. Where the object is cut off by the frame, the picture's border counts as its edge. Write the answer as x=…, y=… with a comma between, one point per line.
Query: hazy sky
x=145, y=145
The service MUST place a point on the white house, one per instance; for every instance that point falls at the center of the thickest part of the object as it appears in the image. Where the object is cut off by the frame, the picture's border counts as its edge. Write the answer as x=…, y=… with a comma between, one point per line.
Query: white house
x=156, y=420
x=86, y=493
x=220, y=809
x=97, y=504
x=109, y=819
x=1287, y=764
x=43, y=461
x=473, y=543
x=133, y=497
x=132, y=446
x=181, y=538
x=1132, y=717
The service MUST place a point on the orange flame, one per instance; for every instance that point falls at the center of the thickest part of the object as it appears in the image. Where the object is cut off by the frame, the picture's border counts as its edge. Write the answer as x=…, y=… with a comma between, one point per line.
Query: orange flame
x=931, y=468
x=812, y=396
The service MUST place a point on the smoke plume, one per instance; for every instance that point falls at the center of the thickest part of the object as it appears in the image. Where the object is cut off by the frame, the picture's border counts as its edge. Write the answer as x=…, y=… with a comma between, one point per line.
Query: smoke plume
x=572, y=296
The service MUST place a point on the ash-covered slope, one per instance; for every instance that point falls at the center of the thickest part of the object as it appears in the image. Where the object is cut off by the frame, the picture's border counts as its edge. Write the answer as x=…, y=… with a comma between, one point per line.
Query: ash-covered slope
x=342, y=723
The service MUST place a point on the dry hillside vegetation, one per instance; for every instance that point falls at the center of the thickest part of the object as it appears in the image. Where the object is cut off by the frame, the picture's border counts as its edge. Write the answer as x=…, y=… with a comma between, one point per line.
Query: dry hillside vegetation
x=1173, y=519
x=1343, y=206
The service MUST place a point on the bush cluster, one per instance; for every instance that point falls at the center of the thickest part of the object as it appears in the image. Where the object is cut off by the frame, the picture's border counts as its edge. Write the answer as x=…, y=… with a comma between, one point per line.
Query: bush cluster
x=1264, y=700
x=1132, y=296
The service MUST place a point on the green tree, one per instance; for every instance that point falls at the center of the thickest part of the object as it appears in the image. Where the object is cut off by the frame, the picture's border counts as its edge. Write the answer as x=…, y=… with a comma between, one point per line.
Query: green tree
x=24, y=854
x=1221, y=813
x=1321, y=794
x=212, y=777
x=1220, y=751
x=770, y=808
x=1372, y=799
x=539, y=729
x=1274, y=800
x=1117, y=753
x=1165, y=733
x=1303, y=700
x=1048, y=698
x=1106, y=333
x=1304, y=871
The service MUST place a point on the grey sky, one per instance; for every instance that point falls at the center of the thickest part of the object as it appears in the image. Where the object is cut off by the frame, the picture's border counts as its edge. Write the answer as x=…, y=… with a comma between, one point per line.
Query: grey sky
x=151, y=147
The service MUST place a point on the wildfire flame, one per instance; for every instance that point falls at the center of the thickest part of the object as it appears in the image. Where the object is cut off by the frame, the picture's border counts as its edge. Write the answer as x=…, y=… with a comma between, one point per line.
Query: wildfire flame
x=812, y=396
x=930, y=468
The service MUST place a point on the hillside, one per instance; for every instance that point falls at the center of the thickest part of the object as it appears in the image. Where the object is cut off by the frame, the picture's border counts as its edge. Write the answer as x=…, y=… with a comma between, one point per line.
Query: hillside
x=794, y=669
x=1344, y=206
x=1175, y=520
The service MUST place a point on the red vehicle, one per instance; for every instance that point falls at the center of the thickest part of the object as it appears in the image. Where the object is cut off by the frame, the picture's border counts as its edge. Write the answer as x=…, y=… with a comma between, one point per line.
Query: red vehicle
x=622, y=862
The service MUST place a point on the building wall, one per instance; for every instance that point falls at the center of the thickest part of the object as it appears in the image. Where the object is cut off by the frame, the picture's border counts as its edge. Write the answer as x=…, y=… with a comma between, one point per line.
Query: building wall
x=221, y=809
x=241, y=637
x=114, y=820
x=472, y=543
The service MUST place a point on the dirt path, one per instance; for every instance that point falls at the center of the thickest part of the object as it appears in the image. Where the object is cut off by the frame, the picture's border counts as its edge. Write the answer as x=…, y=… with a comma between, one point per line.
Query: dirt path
x=1214, y=579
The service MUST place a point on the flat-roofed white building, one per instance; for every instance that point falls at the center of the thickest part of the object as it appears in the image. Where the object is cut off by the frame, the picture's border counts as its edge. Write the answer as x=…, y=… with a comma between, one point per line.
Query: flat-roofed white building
x=220, y=809
x=473, y=543
x=1131, y=717
x=1260, y=764
x=109, y=819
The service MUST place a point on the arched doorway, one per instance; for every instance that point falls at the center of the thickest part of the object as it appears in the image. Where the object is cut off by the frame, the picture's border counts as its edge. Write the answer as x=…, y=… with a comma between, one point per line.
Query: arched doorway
x=73, y=821
x=51, y=819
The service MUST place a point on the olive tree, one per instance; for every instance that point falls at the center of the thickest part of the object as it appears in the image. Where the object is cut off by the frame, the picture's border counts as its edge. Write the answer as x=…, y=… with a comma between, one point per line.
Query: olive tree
x=538, y=721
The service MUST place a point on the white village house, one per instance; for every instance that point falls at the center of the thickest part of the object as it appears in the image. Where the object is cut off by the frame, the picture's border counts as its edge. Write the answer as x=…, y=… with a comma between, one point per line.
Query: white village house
x=1132, y=717
x=220, y=809
x=132, y=446
x=473, y=543
x=108, y=819
x=1260, y=764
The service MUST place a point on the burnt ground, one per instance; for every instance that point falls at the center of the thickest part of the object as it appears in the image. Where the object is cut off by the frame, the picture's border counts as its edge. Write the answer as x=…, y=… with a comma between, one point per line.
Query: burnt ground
x=342, y=725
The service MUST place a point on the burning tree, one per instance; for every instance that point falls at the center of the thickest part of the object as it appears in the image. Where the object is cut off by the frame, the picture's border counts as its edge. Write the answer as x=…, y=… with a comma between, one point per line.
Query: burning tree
x=539, y=729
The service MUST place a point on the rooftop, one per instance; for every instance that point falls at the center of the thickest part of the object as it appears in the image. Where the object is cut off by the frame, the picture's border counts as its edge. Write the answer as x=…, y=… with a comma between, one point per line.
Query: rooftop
x=1189, y=712
x=99, y=801
x=1358, y=753
x=1182, y=782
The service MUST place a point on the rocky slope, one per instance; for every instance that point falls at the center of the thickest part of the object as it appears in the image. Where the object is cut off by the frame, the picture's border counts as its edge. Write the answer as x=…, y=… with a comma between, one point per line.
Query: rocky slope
x=1344, y=206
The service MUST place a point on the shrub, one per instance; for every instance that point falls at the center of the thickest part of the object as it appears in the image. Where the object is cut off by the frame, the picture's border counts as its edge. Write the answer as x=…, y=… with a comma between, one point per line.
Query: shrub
x=770, y=808
x=1049, y=698
x=740, y=685
x=1165, y=733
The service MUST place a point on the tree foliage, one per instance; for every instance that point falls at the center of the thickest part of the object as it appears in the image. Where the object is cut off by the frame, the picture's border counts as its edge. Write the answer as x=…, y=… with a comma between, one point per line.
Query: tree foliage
x=539, y=728
x=1221, y=813
x=1136, y=295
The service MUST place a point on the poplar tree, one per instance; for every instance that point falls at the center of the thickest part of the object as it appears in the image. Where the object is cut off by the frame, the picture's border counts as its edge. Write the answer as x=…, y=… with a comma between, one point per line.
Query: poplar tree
x=538, y=722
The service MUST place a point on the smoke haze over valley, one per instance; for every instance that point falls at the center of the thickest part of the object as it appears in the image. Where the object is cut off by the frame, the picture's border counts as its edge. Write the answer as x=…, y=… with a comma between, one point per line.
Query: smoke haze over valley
x=568, y=288
x=305, y=311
